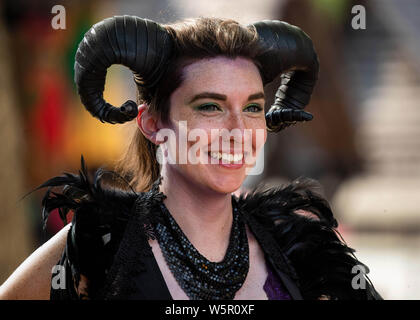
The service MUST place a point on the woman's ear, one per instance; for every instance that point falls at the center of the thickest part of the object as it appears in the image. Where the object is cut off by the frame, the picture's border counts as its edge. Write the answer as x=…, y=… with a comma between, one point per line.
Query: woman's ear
x=147, y=124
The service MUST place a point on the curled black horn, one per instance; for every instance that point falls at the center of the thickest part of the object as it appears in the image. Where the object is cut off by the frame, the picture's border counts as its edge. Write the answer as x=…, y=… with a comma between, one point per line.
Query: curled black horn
x=139, y=44
x=289, y=53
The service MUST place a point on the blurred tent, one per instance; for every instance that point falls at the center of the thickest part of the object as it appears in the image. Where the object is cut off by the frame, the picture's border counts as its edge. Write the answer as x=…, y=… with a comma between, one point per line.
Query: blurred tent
x=384, y=78
x=15, y=235
x=381, y=203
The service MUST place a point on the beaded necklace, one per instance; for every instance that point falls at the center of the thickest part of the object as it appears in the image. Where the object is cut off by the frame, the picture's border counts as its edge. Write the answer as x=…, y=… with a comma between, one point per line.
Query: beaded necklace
x=197, y=276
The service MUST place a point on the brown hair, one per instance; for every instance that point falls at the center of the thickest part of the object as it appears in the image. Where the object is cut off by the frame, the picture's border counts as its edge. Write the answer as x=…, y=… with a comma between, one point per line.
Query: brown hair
x=194, y=39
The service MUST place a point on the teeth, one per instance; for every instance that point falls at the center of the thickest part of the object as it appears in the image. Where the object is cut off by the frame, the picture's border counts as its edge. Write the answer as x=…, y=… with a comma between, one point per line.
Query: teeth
x=227, y=157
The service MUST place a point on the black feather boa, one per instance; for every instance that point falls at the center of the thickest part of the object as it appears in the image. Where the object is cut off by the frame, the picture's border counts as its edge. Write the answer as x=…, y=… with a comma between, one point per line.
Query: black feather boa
x=321, y=262
x=309, y=251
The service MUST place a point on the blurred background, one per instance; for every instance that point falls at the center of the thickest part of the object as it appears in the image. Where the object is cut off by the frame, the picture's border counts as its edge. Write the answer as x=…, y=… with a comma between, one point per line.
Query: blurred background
x=363, y=145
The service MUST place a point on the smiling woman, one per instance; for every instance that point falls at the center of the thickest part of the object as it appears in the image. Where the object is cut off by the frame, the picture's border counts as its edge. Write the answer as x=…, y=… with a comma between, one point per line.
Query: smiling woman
x=222, y=107
x=174, y=230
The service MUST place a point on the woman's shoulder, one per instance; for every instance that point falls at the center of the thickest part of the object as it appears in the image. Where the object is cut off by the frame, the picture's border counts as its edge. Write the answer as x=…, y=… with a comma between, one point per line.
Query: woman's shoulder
x=299, y=222
x=31, y=280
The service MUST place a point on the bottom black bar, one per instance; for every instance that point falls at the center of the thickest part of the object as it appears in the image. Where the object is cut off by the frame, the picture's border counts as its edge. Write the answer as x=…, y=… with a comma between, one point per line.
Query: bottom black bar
x=237, y=309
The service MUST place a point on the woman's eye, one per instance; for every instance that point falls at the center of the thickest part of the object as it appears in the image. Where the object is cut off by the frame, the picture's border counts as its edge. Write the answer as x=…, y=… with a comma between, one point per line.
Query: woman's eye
x=253, y=108
x=208, y=107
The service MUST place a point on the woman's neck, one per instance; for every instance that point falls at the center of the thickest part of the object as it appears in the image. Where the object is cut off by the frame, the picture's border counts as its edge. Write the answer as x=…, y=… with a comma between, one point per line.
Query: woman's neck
x=204, y=216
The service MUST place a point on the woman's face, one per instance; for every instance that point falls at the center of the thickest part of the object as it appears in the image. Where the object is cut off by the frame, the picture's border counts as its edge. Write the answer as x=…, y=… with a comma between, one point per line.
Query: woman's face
x=217, y=116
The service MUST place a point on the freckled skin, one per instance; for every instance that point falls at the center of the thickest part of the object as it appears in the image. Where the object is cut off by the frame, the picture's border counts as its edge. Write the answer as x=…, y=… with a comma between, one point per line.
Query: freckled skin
x=237, y=79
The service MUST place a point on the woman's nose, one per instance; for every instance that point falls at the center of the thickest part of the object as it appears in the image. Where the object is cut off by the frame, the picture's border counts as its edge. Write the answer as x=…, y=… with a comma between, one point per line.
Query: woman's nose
x=236, y=121
x=236, y=126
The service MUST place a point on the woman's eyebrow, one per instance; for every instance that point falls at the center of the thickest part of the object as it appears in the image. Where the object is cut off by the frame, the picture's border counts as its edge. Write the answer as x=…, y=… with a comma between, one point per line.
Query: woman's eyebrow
x=222, y=97
x=211, y=95
x=255, y=96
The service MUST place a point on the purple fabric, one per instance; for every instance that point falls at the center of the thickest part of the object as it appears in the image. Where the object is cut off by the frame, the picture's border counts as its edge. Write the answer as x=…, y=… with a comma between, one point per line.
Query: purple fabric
x=274, y=288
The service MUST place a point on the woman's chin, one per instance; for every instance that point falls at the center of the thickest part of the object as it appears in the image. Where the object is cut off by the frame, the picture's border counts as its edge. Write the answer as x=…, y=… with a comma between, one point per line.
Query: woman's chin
x=225, y=183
